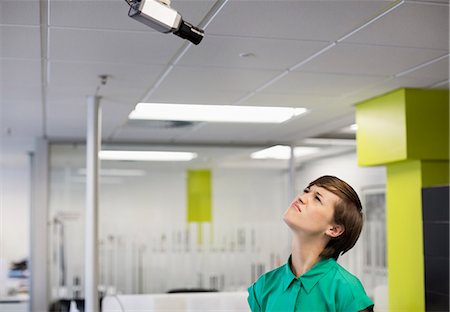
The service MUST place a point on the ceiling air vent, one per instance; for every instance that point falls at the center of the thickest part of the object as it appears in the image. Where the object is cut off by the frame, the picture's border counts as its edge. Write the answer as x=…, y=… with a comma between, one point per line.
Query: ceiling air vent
x=160, y=124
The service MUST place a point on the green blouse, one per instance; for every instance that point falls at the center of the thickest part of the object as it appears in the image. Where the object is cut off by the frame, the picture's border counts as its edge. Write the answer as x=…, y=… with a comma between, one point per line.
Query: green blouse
x=327, y=286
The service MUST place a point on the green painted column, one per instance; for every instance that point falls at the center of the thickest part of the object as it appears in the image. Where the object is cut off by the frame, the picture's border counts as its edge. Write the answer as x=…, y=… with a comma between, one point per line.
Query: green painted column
x=406, y=130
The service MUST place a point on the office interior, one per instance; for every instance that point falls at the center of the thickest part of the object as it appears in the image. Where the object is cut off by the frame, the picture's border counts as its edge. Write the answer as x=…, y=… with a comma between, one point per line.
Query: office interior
x=352, y=65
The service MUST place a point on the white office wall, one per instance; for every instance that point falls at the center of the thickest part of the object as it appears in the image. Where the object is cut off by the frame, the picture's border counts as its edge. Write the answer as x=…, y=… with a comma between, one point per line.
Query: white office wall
x=14, y=206
x=14, y=199
x=15, y=213
x=343, y=166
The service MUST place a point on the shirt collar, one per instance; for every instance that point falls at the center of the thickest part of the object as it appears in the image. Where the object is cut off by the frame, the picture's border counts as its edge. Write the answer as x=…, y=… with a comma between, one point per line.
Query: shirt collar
x=311, y=277
x=288, y=276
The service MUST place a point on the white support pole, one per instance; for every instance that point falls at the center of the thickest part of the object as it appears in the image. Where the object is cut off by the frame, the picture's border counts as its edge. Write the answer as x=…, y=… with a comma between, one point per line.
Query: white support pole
x=93, y=141
x=39, y=168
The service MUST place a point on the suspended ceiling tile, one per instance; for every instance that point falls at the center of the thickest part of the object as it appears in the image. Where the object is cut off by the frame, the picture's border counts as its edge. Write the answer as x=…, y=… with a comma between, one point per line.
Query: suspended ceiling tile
x=22, y=118
x=316, y=122
x=194, y=96
x=437, y=71
x=19, y=92
x=86, y=14
x=20, y=73
x=114, y=14
x=214, y=85
x=310, y=20
x=19, y=12
x=125, y=97
x=127, y=133
x=116, y=111
x=112, y=46
x=115, y=106
x=387, y=86
x=308, y=84
x=285, y=99
x=121, y=77
x=68, y=108
x=410, y=25
x=258, y=53
x=223, y=132
x=66, y=119
x=369, y=60
x=67, y=93
x=193, y=11
x=20, y=42
x=430, y=1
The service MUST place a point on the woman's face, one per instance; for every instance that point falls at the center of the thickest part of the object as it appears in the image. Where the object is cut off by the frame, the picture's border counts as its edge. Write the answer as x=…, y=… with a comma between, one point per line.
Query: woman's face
x=312, y=212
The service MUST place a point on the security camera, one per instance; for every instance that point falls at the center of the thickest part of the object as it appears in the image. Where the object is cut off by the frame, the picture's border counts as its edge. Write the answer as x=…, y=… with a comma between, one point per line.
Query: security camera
x=160, y=16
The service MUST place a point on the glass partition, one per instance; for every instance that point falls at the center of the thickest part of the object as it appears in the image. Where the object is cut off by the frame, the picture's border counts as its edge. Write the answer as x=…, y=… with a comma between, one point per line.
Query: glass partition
x=147, y=244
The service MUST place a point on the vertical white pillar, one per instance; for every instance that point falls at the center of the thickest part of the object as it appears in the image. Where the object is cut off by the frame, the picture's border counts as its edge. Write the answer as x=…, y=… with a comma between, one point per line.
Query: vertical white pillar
x=93, y=141
x=39, y=296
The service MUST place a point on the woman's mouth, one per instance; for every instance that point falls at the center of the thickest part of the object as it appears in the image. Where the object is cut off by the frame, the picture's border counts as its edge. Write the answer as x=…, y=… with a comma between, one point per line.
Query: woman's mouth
x=296, y=206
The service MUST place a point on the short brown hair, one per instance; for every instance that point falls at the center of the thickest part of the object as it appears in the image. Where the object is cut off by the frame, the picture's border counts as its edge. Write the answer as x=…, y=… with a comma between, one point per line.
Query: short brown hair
x=347, y=212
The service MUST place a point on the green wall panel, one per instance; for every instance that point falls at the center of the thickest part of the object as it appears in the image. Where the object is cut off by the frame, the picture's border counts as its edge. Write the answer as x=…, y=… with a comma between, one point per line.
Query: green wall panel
x=199, y=196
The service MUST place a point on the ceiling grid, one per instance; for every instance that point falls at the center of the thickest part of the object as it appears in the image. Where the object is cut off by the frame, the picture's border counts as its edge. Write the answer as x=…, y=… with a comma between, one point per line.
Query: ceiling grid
x=323, y=55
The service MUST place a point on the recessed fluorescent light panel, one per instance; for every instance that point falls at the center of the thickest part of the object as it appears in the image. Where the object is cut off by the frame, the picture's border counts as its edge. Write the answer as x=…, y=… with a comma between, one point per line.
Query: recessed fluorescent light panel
x=214, y=113
x=283, y=152
x=117, y=172
x=103, y=180
x=146, y=155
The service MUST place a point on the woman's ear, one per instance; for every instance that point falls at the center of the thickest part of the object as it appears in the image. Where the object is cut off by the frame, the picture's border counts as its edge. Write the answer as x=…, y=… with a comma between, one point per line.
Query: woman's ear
x=335, y=230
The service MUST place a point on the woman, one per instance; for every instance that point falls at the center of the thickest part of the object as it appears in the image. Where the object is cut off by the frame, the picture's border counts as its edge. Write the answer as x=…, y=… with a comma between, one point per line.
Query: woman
x=325, y=221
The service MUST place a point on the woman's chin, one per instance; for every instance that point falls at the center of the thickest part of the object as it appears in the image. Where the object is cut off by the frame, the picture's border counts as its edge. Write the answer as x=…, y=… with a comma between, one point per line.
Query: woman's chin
x=288, y=221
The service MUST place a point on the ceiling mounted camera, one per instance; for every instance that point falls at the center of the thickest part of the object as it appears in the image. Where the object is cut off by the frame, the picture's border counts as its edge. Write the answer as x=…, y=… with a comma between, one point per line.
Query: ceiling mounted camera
x=161, y=17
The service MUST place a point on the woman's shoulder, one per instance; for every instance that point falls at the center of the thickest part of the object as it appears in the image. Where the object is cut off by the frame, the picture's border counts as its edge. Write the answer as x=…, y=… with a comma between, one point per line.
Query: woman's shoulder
x=267, y=285
x=349, y=289
x=345, y=277
x=271, y=278
x=273, y=275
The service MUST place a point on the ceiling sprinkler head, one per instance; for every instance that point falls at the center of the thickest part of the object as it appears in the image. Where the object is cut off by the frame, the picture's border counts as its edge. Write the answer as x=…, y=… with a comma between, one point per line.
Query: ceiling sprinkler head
x=103, y=79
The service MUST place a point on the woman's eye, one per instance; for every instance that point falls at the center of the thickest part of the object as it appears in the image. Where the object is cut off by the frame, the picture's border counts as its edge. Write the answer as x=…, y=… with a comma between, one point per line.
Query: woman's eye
x=317, y=197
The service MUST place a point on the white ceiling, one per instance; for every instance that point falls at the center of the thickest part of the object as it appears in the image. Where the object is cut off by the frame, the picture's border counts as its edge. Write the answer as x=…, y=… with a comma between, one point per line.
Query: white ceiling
x=323, y=55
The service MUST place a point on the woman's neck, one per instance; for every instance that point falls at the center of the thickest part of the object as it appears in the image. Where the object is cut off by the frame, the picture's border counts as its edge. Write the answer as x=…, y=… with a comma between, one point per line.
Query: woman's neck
x=305, y=254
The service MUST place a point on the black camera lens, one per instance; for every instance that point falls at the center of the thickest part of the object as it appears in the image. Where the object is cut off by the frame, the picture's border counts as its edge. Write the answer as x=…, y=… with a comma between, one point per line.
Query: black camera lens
x=189, y=32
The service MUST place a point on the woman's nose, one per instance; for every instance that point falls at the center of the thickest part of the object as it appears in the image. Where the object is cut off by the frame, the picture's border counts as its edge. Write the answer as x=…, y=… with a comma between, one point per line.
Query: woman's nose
x=302, y=199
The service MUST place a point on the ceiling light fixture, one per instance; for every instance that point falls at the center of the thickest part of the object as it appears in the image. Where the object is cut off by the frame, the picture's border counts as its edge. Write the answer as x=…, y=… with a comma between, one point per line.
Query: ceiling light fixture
x=329, y=142
x=214, y=113
x=247, y=54
x=117, y=172
x=146, y=155
x=283, y=152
